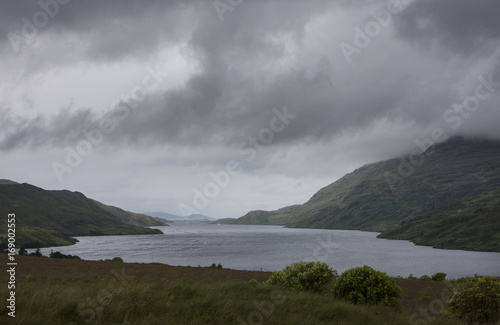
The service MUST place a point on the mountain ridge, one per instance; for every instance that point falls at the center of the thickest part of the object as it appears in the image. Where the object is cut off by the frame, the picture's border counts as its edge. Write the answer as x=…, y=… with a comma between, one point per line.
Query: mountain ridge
x=367, y=199
x=138, y=219
x=173, y=217
x=52, y=217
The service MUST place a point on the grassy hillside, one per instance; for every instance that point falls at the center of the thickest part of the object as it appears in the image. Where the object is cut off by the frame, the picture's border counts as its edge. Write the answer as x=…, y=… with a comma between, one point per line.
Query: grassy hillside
x=472, y=224
x=50, y=218
x=132, y=218
x=57, y=291
x=455, y=170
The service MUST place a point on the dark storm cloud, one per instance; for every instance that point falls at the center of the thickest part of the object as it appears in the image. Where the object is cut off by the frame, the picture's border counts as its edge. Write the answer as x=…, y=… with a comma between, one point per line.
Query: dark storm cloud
x=110, y=29
x=254, y=61
x=462, y=26
x=65, y=128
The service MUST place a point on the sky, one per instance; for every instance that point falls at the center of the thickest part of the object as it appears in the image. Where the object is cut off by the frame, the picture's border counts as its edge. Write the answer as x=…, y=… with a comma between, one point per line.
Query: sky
x=227, y=106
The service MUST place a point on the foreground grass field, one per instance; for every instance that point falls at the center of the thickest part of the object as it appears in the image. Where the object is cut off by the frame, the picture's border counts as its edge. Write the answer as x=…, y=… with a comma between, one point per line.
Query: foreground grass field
x=58, y=291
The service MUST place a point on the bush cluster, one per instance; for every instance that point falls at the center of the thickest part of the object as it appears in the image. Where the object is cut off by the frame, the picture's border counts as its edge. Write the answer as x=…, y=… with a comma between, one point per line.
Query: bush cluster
x=440, y=276
x=23, y=251
x=303, y=276
x=364, y=285
x=476, y=300
x=114, y=259
x=61, y=255
x=218, y=266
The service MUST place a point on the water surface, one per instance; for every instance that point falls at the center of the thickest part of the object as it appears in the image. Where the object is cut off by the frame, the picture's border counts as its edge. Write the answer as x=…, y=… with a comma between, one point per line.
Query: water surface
x=271, y=248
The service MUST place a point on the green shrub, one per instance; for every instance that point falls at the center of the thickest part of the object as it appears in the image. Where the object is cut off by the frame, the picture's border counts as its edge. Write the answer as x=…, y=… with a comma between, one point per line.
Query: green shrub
x=425, y=277
x=218, y=266
x=61, y=255
x=440, y=276
x=412, y=277
x=303, y=276
x=36, y=253
x=253, y=281
x=364, y=285
x=476, y=300
x=117, y=259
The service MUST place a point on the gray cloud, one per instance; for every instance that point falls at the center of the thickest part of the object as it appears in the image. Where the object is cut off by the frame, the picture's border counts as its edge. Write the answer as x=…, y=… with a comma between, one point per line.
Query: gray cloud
x=264, y=55
x=249, y=68
x=104, y=31
x=63, y=129
x=470, y=28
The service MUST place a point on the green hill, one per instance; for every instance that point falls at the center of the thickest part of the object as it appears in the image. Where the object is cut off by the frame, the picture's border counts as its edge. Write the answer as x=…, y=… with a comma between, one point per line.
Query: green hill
x=472, y=224
x=51, y=218
x=378, y=197
x=132, y=218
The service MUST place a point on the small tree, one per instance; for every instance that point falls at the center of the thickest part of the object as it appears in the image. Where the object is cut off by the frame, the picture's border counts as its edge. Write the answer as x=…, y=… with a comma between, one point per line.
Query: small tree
x=364, y=285
x=303, y=276
x=36, y=253
x=22, y=251
x=477, y=300
x=218, y=266
x=440, y=276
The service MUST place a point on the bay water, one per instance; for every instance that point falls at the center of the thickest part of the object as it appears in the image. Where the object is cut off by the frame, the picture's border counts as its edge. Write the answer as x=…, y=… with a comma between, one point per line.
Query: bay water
x=271, y=248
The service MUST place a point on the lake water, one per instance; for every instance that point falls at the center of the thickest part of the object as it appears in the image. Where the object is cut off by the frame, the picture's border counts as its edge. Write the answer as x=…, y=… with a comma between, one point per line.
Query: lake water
x=271, y=248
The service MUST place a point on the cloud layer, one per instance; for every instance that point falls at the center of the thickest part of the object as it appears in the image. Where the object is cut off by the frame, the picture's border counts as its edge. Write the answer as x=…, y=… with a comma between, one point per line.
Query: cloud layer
x=205, y=76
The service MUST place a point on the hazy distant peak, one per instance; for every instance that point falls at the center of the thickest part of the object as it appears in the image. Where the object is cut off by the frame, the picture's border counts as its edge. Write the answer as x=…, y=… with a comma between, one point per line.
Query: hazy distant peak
x=7, y=182
x=169, y=216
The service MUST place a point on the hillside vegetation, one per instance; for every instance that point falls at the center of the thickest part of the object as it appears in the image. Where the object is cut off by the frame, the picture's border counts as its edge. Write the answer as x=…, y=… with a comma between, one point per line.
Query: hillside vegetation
x=61, y=291
x=379, y=196
x=472, y=224
x=132, y=218
x=51, y=218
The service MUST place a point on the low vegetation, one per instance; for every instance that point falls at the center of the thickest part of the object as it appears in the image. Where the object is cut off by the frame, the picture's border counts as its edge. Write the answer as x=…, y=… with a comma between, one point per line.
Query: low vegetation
x=364, y=285
x=63, y=291
x=303, y=276
x=218, y=266
x=440, y=276
x=470, y=224
x=61, y=255
x=476, y=301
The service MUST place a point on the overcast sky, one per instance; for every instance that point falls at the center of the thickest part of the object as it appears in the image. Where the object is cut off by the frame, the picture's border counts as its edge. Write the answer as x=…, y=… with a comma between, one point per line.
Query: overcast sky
x=222, y=107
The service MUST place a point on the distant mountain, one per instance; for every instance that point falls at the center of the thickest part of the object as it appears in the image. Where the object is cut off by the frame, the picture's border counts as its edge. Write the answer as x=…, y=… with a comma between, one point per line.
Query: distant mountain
x=132, y=218
x=162, y=216
x=50, y=218
x=7, y=182
x=379, y=196
x=172, y=217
